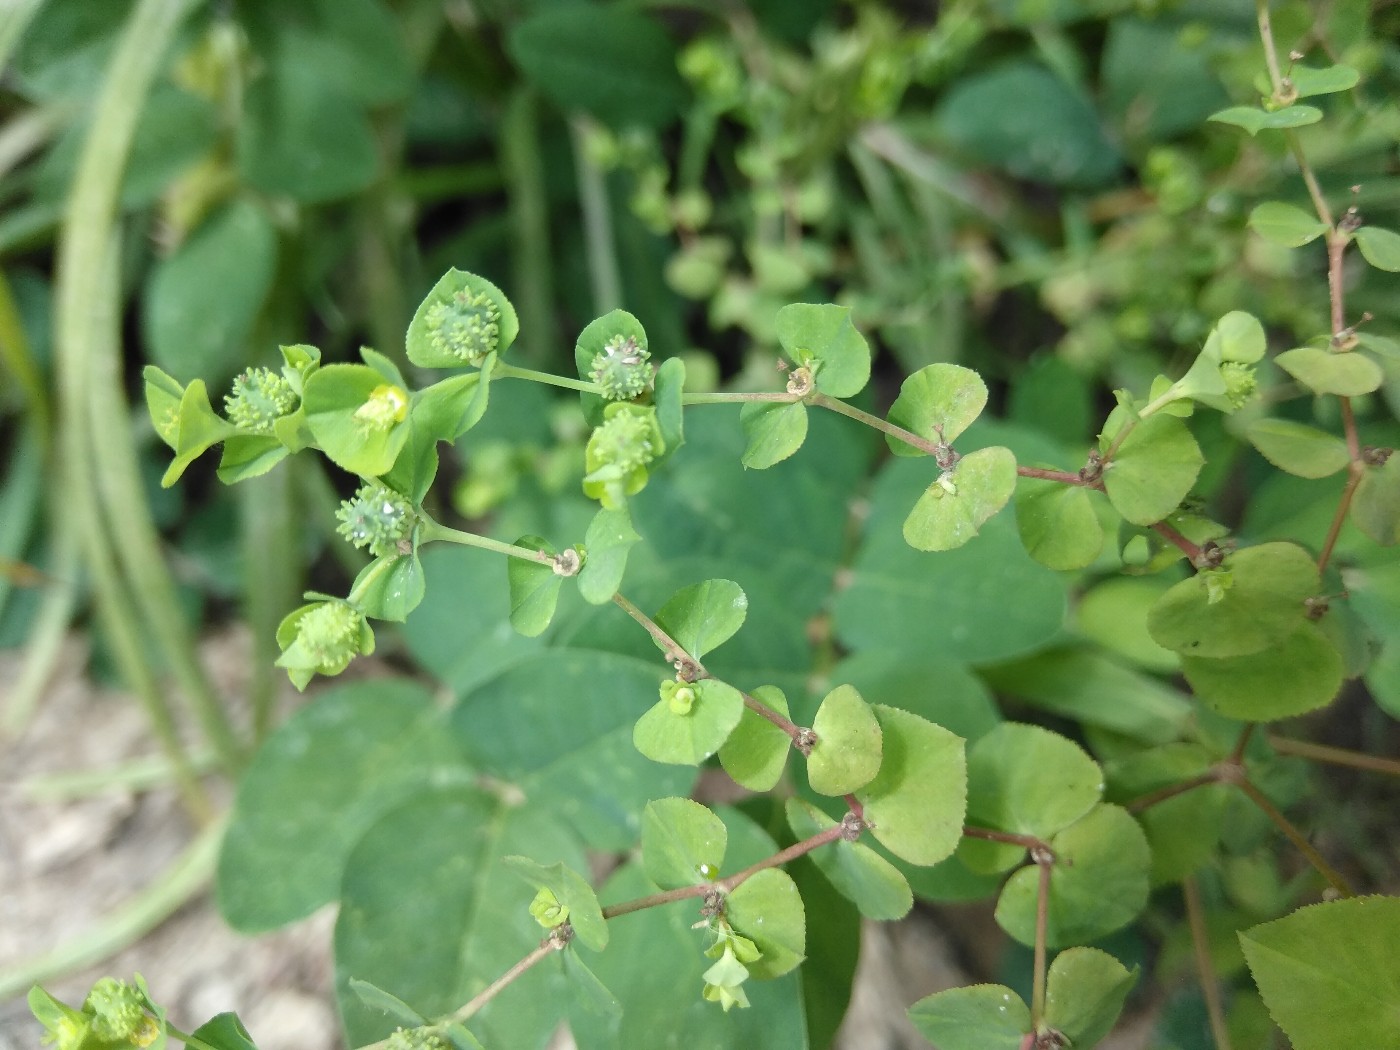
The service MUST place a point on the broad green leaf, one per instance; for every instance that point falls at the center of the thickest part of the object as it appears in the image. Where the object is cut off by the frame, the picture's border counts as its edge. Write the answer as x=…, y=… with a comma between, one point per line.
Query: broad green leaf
x=1152, y=470
x=976, y=1017
x=163, y=396
x=1375, y=509
x=1379, y=247
x=609, y=538
x=249, y=456
x=1286, y=224
x=704, y=615
x=1255, y=120
x=1347, y=375
x=318, y=782
x=668, y=388
x=1057, y=523
x=1301, y=673
x=917, y=801
x=822, y=338
x=1113, y=614
x=1084, y=993
x=683, y=843
x=460, y=321
x=774, y=430
x=585, y=995
x=757, y=750
x=664, y=735
x=223, y=1032
x=592, y=341
x=767, y=909
x=1098, y=883
x=202, y=301
x=534, y=589
x=1298, y=448
x=390, y=588
x=1308, y=81
x=860, y=874
x=1253, y=601
x=846, y=755
x=356, y=418
x=1328, y=974
x=954, y=508
x=378, y=999
x=197, y=428
x=451, y=407
x=937, y=400
x=617, y=65
x=1241, y=337
x=572, y=891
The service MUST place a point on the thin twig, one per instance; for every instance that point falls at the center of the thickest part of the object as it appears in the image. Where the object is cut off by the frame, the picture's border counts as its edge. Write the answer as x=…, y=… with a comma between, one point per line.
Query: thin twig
x=797, y=849
x=802, y=739
x=1337, y=756
x=1175, y=538
x=546, y=947
x=1152, y=798
x=1237, y=755
x=1296, y=837
x=1009, y=837
x=1042, y=922
x=1210, y=984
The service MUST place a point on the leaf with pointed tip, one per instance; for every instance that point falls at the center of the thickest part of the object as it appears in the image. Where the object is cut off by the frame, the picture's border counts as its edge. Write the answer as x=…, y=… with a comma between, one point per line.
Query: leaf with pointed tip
x=391, y=587
x=222, y=1032
x=572, y=891
x=1286, y=224
x=1255, y=120
x=1309, y=81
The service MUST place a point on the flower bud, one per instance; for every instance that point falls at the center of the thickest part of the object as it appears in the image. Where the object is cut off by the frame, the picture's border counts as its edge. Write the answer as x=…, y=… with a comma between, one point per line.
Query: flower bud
x=118, y=1011
x=546, y=909
x=258, y=399
x=322, y=638
x=376, y=517
x=468, y=326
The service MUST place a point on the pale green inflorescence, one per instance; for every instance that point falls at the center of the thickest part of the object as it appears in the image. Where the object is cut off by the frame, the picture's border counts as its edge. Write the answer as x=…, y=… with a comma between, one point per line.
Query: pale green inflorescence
x=258, y=399
x=622, y=369
x=1240, y=382
x=386, y=406
x=623, y=441
x=467, y=326
x=376, y=517
x=330, y=635
x=415, y=1039
x=119, y=1013
x=546, y=909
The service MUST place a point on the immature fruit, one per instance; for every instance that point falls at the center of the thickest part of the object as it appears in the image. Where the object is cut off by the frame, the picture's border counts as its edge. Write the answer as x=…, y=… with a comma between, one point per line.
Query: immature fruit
x=258, y=399
x=376, y=517
x=468, y=326
x=621, y=369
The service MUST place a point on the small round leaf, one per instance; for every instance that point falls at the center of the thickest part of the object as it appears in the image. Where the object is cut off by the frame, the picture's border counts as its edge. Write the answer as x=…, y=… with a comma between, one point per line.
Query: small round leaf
x=664, y=735
x=1152, y=470
x=1298, y=448
x=954, y=508
x=847, y=753
x=937, y=400
x=767, y=909
x=683, y=843
x=757, y=750
x=977, y=1017
x=1301, y=673
x=822, y=337
x=859, y=874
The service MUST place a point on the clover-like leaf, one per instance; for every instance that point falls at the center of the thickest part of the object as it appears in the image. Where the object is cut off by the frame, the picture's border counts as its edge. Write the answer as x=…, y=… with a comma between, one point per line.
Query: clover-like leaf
x=767, y=909
x=774, y=430
x=356, y=417
x=683, y=843
x=859, y=874
x=1323, y=372
x=954, y=508
x=822, y=338
x=688, y=734
x=460, y=321
x=846, y=755
x=609, y=539
x=1298, y=448
x=704, y=615
x=915, y=804
x=1084, y=993
x=1057, y=523
x=939, y=401
x=1152, y=470
x=572, y=891
x=757, y=750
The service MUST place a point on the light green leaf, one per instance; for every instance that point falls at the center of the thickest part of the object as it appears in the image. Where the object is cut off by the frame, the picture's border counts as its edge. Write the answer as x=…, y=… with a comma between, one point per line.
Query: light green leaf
x=1152, y=470
x=572, y=891
x=757, y=750
x=338, y=400
x=774, y=430
x=1298, y=448
x=954, y=508
x=249, y=456
x=821, y=337
x=1308, y=81
x=1255, y=120
x=1084, y=993
x=846, y=755
x=938, y=399
x=460, y=321
x=976, y=1017
x=1380, y=247
x=451, y=407
x=391, y=587
x=917, y=801
x=1057, y=523
x=1347, y=375
x=687, y=739
x=1241, y=336
x=1256, y=601
x=609, y=539
x=378, y=999
x=704, y=615
x=1098, y=883
x=1113, y=614
x=668, y=388
x=683, y=843
x=1300, y=673
x=1286, y=224
x=1328, y=974
x=197, y=428
x=592, y=341
x=534, y=589
x=767, y=909
x=222, y=1032
x=859, y=873
x=1375, y=509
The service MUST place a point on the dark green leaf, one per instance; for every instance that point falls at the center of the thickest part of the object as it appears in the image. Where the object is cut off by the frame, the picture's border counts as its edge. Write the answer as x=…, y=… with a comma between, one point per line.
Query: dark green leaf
x=1301, y=673
x=224, y=1032
x=1380, y=248
x=609, y=538
x=1308, y=81
x=390, y=588
x=1375, y=509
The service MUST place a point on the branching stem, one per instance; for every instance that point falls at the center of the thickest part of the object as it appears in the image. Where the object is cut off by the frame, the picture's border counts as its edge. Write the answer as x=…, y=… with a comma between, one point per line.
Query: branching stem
x=435, y=531
x=1210, y=984
x=1336, y=756
x=1296, y=837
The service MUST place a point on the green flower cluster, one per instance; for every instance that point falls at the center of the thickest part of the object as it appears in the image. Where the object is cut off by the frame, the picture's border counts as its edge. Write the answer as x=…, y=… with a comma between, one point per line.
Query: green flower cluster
x=724, y=980
x=322, y=638
x=425, y=1038
x=618, y=451
x=621, y=368
x=258, y=399
x=119, y=1012
x=546, y=909
x=376, y=517
x=467, y=326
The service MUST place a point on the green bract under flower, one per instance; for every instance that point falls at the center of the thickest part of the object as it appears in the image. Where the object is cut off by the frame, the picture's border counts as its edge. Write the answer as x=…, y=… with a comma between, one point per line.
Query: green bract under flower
x=376, y=517
x=258, y=399
x=322, y=638
x=467, y=326
x=622, y=369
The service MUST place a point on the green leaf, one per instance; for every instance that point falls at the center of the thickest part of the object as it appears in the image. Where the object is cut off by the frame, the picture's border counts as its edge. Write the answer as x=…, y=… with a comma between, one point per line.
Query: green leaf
x=1379, y=247
x=378, y=999
x=1347, y=375
x=1255, y=120
x=1298, y=448
x=334, y=396
x=976, y=1017
x=846, y=755
x=224, y=1032
x=572, y=891
x=767, y=909
x=1184, y=830
x=1241, y=337
x=592, y=341
x=774, y=431
x=664, y=735
x=449, y=408
x=318, y=782
x=1152, y=470
x=587, y=996
x=534, y=589
x=757, y=750
x=1308, y=81
x=390, y=588
x=1098, y=883
x=202, y=301
x=1254, y=601
x=1084, y=993
x=618, y=65
x=822, y=338
x=859, y=873
x=1113, y=614
x=1328, y=975
x=917, y=801
x=938, y=399
x=197, y=428
x=668, y=388
x=1375, y=509
x=1300, y=673
x=438, y=337
x=609, y=538
x=683, y=843
x=249, y=456
x=1058, y=524
x=945, y=518
x=1286, y=224
x=704, y=615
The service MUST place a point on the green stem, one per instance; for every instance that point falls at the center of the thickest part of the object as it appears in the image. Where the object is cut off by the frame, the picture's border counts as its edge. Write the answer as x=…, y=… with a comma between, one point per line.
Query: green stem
x=505, y=371
x=272, y=574
x=436, y=532
x=546, y=948
x=1200, y=943
x=850, y=412
x=1009, y=837
x=1266, y=33
x=524, y=168
x=1152, y=798
x=603, y=269
x=797, y=849
x=736, y=397
x=1042, y=920
x=140, y=774
x=130, y=921
x=1295, y=836
x=1336, y=756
